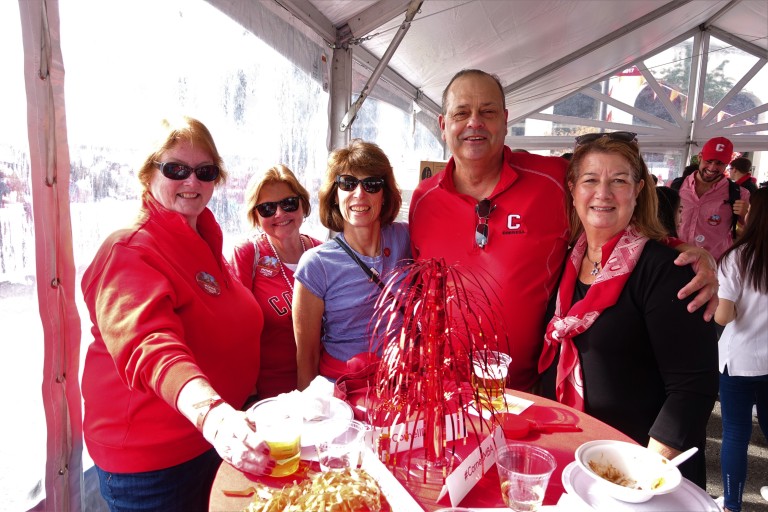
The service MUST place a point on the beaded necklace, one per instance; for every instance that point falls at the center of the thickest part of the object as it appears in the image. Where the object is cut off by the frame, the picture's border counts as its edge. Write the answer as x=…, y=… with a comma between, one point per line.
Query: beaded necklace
x=282, y=266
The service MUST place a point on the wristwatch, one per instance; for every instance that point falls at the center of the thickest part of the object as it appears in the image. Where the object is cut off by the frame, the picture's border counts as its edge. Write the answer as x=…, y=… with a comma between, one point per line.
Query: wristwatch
x=204, y=407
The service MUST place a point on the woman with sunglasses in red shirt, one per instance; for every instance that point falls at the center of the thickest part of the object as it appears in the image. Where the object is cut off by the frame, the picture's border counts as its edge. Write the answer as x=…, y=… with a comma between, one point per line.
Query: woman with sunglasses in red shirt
x=176, y=340
x=334, y=297
x=276, y=205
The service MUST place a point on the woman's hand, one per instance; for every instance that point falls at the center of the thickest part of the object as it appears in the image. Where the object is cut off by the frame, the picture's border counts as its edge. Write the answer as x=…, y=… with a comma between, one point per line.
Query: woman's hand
x=228, y=430
x=705, y=280
x=661, y=448
x=234, y=439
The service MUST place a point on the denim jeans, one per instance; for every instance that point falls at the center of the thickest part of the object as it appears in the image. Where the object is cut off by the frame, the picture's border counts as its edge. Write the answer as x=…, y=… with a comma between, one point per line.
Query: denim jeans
x=737, y=395
x=183, y=488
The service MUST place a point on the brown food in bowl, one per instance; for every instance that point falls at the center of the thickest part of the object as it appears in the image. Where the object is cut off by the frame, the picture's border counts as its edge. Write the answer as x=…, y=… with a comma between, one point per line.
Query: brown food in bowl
x=609, y=472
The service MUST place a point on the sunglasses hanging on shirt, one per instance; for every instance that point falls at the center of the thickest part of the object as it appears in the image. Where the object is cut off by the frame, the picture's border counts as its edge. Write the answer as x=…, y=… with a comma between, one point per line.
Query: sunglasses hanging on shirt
x=483, y=210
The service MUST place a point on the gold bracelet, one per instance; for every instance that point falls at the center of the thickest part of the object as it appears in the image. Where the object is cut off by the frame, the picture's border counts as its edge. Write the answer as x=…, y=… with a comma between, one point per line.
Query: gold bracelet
x=209, y=404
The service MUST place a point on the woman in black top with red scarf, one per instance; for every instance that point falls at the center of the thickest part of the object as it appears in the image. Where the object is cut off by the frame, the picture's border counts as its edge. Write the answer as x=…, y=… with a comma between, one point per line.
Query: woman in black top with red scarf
x=629, y=352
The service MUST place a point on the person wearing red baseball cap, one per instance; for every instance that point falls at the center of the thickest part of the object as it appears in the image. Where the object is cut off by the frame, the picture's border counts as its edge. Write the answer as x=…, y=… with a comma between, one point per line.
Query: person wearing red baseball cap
x=707, y=211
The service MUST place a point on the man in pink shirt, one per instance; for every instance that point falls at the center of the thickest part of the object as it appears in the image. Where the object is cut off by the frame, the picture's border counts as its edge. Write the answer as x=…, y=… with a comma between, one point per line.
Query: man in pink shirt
x=707, y=215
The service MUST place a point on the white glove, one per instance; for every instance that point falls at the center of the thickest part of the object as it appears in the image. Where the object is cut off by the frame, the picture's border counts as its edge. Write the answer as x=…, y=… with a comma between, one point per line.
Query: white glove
x=236, y=442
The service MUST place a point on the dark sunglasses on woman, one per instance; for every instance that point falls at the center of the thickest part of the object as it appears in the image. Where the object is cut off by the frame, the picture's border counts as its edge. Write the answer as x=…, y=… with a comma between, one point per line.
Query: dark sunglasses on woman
x=175, y=171
x=592, y=137
x=349, y=183
x=268, y=209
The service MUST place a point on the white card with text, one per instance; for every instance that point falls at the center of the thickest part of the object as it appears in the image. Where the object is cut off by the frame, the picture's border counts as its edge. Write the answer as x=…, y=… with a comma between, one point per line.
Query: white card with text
x=471, y=470
x=410, y=435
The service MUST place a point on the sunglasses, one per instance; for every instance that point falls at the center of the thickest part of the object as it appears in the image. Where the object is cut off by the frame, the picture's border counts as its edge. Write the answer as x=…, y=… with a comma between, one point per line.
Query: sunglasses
x=268, y=209
x=483, y=210
x=174, y=171
x=349, y=183
x=592, y=137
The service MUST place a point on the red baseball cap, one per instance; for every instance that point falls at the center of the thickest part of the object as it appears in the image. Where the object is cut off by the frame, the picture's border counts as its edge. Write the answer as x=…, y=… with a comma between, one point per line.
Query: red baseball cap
x=718, y=148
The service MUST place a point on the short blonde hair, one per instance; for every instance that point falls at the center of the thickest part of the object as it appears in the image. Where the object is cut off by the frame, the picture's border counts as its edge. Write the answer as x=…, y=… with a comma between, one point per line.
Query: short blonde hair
x=358, y=158
x=275, y=174
x=170, y=134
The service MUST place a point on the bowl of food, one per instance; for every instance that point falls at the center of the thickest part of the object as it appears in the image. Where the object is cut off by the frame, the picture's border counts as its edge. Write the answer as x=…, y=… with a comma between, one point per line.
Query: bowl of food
x=626, y=471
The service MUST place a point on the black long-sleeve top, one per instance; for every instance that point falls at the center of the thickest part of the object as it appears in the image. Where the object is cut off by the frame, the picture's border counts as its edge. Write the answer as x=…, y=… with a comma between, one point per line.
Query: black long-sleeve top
x=649, y=366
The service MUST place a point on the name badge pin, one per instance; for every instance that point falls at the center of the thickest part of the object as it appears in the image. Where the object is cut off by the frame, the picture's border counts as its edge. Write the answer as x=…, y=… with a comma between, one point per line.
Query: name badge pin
x=208, y=283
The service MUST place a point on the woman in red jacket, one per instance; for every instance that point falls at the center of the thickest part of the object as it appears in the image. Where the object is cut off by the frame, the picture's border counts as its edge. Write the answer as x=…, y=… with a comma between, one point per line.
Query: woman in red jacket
x=176, y=340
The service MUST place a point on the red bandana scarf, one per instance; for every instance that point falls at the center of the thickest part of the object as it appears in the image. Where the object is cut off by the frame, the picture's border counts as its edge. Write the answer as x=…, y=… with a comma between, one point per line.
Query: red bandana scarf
x=620, y=256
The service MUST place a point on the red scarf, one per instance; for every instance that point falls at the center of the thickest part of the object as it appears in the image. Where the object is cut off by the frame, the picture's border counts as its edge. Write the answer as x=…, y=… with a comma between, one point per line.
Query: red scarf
x=619, y=258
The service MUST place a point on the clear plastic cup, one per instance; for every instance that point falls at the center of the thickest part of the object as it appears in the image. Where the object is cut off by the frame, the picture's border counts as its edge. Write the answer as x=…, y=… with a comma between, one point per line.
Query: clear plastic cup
x=280, y=425
x=342, y=443
x=489, y=374
x=524, y=472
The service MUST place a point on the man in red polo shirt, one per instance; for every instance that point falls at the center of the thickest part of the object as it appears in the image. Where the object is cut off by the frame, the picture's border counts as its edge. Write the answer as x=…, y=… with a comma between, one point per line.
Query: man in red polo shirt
x=501, y=215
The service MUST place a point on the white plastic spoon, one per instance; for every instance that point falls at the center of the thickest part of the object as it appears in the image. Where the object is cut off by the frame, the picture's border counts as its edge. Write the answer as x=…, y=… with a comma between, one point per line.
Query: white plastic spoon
x=687, y=454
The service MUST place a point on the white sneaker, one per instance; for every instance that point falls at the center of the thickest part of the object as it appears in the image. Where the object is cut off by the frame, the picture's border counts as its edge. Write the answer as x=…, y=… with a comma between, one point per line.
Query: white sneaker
x=764, y=492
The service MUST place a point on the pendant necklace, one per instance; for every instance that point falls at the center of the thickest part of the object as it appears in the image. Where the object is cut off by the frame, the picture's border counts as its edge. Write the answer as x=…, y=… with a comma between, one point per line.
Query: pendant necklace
x=282, y=266
x=595, y=265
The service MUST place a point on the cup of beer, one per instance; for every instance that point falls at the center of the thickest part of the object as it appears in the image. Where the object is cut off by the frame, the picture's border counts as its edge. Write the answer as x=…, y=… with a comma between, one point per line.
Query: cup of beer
x=280, y=425
x=489, y=374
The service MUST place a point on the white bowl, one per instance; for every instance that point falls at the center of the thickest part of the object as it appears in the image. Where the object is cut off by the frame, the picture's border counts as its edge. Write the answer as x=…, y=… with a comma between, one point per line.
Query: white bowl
x=628, y=472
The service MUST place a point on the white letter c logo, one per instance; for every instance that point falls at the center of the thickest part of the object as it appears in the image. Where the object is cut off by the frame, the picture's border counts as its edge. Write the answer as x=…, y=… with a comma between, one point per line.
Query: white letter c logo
x=512, y=221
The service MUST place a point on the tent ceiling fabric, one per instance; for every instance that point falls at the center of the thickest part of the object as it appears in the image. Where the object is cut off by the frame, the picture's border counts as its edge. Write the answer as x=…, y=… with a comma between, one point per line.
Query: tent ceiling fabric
x=543, y=50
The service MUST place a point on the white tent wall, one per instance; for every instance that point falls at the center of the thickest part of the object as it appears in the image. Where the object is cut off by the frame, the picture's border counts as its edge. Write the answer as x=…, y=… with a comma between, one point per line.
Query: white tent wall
x=543, y=50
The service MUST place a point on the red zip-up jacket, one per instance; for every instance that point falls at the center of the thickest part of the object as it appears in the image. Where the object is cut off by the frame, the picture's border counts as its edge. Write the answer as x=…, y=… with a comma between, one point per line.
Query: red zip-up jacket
x=165, y=309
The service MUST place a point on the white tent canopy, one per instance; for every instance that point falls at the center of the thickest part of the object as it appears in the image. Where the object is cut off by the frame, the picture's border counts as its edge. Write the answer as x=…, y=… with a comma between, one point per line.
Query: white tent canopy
x=545, y=52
